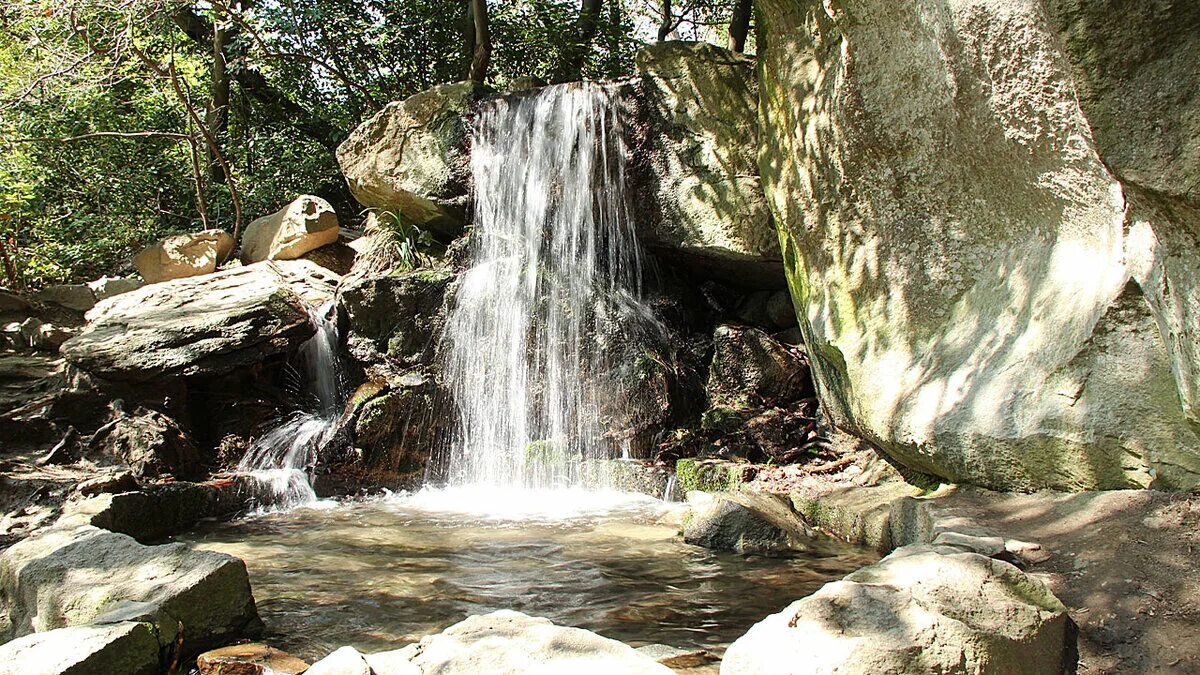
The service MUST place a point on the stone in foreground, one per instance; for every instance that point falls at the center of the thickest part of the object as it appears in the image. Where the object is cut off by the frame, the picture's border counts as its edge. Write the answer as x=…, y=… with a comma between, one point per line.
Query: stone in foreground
x=183, y=255
x=306, y=224
x=922, y=609
x=512, y=642
x=127, y=648
x=411, y=158
x=204, y=326
x=75, y=576
x=252, y=658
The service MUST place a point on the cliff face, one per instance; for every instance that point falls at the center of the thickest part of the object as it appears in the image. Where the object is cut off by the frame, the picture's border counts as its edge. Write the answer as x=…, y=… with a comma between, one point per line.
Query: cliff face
x=988, y=215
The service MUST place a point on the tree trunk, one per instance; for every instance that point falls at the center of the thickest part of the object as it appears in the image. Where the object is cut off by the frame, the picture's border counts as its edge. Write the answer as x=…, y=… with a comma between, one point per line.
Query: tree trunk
x=271, y=102
x=585, y=31
x=217, y=111
x=664, y=28
x=481, y=41
x=739, y=25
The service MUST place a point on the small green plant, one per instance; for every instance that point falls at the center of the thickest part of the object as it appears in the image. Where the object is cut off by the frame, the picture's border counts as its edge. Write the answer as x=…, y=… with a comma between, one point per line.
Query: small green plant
x=395, y=243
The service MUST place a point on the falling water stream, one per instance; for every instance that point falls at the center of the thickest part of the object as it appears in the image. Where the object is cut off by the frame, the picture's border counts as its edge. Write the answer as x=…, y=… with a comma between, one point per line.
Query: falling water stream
x=555, y=268
x=283, y=458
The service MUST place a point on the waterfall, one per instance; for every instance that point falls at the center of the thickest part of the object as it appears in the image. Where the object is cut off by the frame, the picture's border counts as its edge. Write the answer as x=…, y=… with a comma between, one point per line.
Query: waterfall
x=284, y=457
x=552, y=296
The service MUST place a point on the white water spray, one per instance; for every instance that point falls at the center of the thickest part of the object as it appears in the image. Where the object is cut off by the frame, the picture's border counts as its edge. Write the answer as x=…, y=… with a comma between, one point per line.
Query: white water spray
x=283, y=458
x=556, y=273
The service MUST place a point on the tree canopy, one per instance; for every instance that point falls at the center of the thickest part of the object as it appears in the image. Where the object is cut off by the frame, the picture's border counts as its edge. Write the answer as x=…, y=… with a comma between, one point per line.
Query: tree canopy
x=122, y=121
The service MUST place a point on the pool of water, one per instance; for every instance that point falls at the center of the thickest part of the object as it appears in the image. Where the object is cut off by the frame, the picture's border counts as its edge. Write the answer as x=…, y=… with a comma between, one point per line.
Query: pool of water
x=382, y=573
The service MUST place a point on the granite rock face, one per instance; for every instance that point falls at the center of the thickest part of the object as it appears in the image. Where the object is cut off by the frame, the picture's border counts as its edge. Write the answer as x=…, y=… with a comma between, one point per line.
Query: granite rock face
x=695, y=162
x=985, y=243
x=412, y=157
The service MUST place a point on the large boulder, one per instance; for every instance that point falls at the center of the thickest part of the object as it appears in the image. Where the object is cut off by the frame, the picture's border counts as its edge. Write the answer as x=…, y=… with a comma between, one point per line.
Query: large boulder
x=511, y=642
x=971, y=275
x=125, y=648
x=205, y=326
x=695, y=165
x=183, y=255
x=412, y=159
x=923, y=609
x=396, y=317
x=306, y=224
x=72, y=576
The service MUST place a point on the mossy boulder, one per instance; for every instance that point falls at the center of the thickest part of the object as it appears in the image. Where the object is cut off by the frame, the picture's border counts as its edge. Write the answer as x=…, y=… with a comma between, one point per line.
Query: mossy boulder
x=983, y=293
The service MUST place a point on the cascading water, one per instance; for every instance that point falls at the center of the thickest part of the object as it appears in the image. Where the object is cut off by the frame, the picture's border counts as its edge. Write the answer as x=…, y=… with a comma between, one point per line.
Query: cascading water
x=283, y=458
x=555, y=281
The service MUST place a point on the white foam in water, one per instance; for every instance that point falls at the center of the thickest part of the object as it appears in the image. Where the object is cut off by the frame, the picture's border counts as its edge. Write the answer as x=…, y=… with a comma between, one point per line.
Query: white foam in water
x=515, y=503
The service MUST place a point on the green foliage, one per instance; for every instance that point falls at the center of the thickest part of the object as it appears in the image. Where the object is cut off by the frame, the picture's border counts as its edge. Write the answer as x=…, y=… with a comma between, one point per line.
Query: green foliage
x=302, y=74
x=396, y=244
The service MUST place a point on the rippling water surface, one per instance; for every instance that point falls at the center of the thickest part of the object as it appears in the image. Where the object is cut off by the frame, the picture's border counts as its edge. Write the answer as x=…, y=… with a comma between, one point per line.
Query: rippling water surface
x=380, y=574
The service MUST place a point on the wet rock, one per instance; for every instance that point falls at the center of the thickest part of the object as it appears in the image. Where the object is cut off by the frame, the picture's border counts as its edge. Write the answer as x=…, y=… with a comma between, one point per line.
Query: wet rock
x=395, y=317
x=921, y=609
x=204, y=326
x=306, y=224
x=746, y=523
x=696, y=164
x=153, y=512
x=677, y=659
x=90, y=573
x=512, y=642
x=127, y=648
x=183, y=255
x=977, y=154
x=411, y=158
x=249, y=659
x=149, y=443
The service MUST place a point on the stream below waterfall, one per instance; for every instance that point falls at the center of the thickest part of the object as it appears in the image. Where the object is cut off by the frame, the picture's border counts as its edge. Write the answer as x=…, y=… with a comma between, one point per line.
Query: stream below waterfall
x=381, y=573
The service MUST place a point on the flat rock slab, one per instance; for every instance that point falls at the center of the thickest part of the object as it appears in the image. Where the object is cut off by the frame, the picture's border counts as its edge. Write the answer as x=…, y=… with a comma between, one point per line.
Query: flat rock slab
x=206, y=325
x=249, y=659
x=75, y=576
x=127, y=648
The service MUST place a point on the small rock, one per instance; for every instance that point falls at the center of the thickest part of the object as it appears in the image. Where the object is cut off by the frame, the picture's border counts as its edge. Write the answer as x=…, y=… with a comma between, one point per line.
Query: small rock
x=675, y=658
x=11, y=302
x=31, y=332
x=51, y=337
x=249, y=659
x=150, y=443
x=725, y=525
x=78, y=297
x=345, y=661
x=110, y=484
x=183, y=255
x=106, y=287
x=306, y=224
